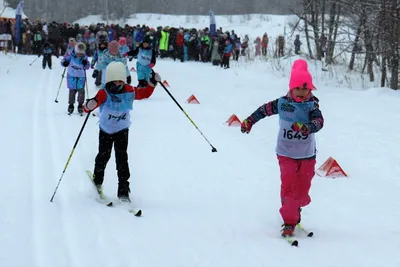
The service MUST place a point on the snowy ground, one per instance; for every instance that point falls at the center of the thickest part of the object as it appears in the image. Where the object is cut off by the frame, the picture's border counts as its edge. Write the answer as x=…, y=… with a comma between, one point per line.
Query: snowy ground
x=199, y=208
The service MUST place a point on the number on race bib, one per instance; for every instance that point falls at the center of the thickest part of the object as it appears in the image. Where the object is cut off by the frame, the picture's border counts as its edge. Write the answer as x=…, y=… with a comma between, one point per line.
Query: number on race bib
x=288, y=134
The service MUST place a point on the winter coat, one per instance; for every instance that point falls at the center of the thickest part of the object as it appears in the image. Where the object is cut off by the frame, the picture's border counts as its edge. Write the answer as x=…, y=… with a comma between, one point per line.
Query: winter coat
x=289, y=111
x=164, y=41
x=105, y=59
x=179, y=40
x=76, y=73
x=228, y=49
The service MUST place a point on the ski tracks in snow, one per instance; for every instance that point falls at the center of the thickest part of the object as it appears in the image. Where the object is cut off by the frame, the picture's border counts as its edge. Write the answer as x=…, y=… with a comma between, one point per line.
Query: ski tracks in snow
x=64, y=233
x=57, y=226
x=45, y=225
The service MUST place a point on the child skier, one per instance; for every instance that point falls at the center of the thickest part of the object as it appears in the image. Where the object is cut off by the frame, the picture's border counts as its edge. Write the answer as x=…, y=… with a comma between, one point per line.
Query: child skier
x=47, y=51
x=145, y=61
x=116, y=102
x=112, y=54
x=70, y=46
x=97, y=73
x=77, y=63
x=92, y=44
x=299, y=119
x=123, y=47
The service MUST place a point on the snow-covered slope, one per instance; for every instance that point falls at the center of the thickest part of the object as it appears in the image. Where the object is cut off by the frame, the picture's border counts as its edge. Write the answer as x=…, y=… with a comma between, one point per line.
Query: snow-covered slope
x=199, y=208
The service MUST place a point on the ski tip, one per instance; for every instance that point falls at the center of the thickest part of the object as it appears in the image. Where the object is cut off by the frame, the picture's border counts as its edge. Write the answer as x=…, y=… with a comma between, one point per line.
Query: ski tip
x=139, y=213
x=295, y=243
x=110, y=204
x=310, y=234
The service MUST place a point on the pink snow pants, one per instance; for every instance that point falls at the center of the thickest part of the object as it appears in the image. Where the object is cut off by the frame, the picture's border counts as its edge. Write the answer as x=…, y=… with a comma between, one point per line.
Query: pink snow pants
x=296, y=176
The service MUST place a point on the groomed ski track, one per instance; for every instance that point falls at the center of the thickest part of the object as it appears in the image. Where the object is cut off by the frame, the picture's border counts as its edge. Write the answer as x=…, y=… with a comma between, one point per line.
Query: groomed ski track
x=200, y=208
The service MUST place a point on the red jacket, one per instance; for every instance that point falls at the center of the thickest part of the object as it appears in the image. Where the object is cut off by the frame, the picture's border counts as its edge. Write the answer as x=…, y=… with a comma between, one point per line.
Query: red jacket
x=179, y=40
x=140, y=93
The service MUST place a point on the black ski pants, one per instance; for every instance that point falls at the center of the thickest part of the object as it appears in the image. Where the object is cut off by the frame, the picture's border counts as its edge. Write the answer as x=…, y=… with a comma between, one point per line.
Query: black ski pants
x=106, y=142
x=46, y=60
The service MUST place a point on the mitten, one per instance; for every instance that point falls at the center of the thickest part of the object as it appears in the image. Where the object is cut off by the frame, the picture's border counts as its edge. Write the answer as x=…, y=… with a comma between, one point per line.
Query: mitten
x=95, y=74
x=65, y=63
x=300, y=127
x=154, y=78
x=128, y=80
x=84, y=62
x=246, y=125
x=142, y=84
x=90, y=105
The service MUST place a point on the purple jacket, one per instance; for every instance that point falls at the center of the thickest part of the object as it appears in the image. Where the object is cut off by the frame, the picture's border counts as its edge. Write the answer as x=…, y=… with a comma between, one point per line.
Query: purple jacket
x=75, y=67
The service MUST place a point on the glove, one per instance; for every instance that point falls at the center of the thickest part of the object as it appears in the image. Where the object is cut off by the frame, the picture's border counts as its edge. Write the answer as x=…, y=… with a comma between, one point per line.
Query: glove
x=246, y=125
x=300, y=127
x=154, y=78
x=128, y=80
x=84, y=62
x=95, y=74
x=125, y=54
x=151, y=65
x=65, y=63
x=91, y=104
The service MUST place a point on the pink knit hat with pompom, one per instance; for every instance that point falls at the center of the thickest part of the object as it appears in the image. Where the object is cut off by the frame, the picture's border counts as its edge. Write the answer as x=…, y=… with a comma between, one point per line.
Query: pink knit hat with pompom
x=300, y=77
x=113, y=47
x=122, y=41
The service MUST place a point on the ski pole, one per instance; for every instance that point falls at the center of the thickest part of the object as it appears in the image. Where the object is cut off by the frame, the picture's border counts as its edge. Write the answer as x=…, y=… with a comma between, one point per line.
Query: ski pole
x=70, y=156
x=33, y=61
x=213, y=149
x=62, y=78
x=86, y=86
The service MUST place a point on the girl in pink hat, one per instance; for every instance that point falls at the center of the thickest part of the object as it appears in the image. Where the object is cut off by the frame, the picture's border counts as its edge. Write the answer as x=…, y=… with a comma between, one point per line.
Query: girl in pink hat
x=299, y=119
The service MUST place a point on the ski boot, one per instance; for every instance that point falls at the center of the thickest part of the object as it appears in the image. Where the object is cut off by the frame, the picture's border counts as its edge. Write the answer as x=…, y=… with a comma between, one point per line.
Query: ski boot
x=299, y=216
x=288, y=230
x=80, y=109
x=123, y=193
x=70, y=108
